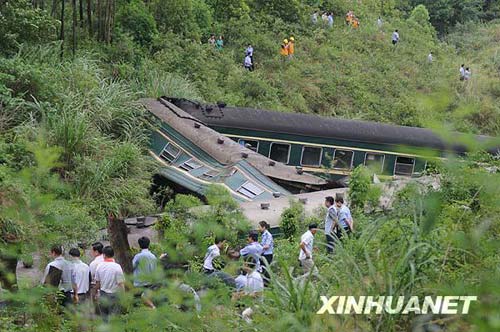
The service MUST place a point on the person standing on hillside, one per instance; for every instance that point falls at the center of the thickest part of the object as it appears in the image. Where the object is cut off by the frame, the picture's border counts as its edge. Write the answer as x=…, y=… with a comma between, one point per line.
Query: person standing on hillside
x=80, y=277
x=247, y=63
x=284, y=49
x=267, y=243
x=330, y=20
x=306, y=249
x=430, y=58
x=467, y=74
x=462, y=72
x=144, y=264
x=211, y=40
x=96, y=252
x=291, y=47
x=345, y=223
x=395, y=37
x=249, y=51
x=212, y=252
x=330, y=222
x=219, y=44
x=110, y=280
x=380, y=22
x=58, y=274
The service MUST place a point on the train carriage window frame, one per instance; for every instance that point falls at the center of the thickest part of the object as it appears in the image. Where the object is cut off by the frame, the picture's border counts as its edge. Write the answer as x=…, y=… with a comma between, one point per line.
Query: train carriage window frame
x=335, y=154
x=375, y=154
x=318, y=164
x=277, y=143
x=249, y=141
x=167, y=155
x=190, y=165
x=250, y=190
x=404, y=173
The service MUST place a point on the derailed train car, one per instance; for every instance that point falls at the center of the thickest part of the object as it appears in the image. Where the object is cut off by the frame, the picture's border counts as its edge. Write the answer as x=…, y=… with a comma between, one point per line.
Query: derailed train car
x=328, y=146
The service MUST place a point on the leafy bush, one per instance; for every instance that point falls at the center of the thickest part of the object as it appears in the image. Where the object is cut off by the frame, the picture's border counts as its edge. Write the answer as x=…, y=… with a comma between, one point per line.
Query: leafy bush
x=291, y=220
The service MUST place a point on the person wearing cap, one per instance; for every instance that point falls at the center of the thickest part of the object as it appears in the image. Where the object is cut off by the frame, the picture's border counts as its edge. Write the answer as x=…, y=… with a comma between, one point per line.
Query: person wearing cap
x=291, y=47
x=284, y=48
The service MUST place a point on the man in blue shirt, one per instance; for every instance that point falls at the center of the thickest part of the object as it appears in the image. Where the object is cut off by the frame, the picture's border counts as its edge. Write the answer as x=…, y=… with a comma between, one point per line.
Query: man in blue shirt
x=253, y=249
x=344, y=224
x=144, y=264
x=267, y=244
x=330, y=222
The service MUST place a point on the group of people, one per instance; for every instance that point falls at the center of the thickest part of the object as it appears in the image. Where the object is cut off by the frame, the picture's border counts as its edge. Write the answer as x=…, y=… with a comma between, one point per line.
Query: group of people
x=326, y=18
x=465, y=73
x=218, y=43
x=287, y=49
x=103, y=279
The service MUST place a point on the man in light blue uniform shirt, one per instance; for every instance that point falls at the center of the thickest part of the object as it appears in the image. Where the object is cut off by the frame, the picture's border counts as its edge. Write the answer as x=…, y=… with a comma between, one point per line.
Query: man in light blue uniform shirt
x=330, y=222
x=344, y=224
x=253, y=249
x=144, y=264
x=267, y=244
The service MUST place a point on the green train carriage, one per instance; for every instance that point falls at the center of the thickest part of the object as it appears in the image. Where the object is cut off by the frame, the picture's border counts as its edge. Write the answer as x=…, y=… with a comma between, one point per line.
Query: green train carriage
x=326, y=146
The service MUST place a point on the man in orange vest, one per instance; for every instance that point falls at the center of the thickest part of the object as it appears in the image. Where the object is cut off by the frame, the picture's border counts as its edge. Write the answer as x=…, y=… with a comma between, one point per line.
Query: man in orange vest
x=284, y=48
x=291, y=47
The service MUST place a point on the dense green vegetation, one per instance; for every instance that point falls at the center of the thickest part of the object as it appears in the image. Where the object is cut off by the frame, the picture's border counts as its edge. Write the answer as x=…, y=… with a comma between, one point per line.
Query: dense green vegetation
x=73, y=146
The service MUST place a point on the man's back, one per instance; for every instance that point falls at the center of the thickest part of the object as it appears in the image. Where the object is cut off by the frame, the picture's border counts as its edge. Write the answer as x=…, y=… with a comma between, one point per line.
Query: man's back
x=64, y=266
x=109, y=274
x=144, y=264
x=81, y=276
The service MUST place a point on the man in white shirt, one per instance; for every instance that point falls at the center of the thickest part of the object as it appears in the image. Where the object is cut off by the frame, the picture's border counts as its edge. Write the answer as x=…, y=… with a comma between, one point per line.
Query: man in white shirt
x=306, y=249
x=80, y=277
x=462, y=72
x=467, y=74
x=248, y=63
x=379, y=22
x=395, y=37
x=430, y=58
x=330, y=222
x=96, y=252
x=58, y=274
x=110, y=280
x=212, y=252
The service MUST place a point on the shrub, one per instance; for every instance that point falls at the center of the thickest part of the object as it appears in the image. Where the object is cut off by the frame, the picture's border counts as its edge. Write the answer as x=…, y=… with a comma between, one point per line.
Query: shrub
x=291, y=220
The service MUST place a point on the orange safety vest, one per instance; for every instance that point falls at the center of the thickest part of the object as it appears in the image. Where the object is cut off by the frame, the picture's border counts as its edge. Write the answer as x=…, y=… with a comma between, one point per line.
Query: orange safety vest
x=291, y=47
x=284, y=50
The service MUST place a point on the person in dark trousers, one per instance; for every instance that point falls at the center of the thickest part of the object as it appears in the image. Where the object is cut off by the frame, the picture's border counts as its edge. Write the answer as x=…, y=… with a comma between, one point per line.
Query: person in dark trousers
x=267, y=244
x=344, y=224
x=58, y=274
x=330, y=222
x=212, y=252
x=110, y=281
x=80, y=277
x=144, y=264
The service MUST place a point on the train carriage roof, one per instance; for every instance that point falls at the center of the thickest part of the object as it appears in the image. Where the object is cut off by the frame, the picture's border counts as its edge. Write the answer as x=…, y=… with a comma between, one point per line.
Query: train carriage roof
x=315, y=126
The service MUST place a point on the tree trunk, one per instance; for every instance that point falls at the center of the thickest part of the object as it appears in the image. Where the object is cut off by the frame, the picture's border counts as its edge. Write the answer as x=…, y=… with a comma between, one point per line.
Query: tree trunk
x=81, y=13
x=117, y=231
x=89, y=17
x=61, y=36
x=73, y=28
x=8, y=264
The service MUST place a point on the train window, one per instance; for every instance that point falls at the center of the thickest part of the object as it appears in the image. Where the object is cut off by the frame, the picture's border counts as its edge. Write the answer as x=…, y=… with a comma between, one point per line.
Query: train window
x=209, y=175
x=190, y=164
x=374, y=161
x=280, y=152
x=404, y=166
x=311, y=156
x=170, y=152
x=252, y=145
x=342, y=159
x=250, y=190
